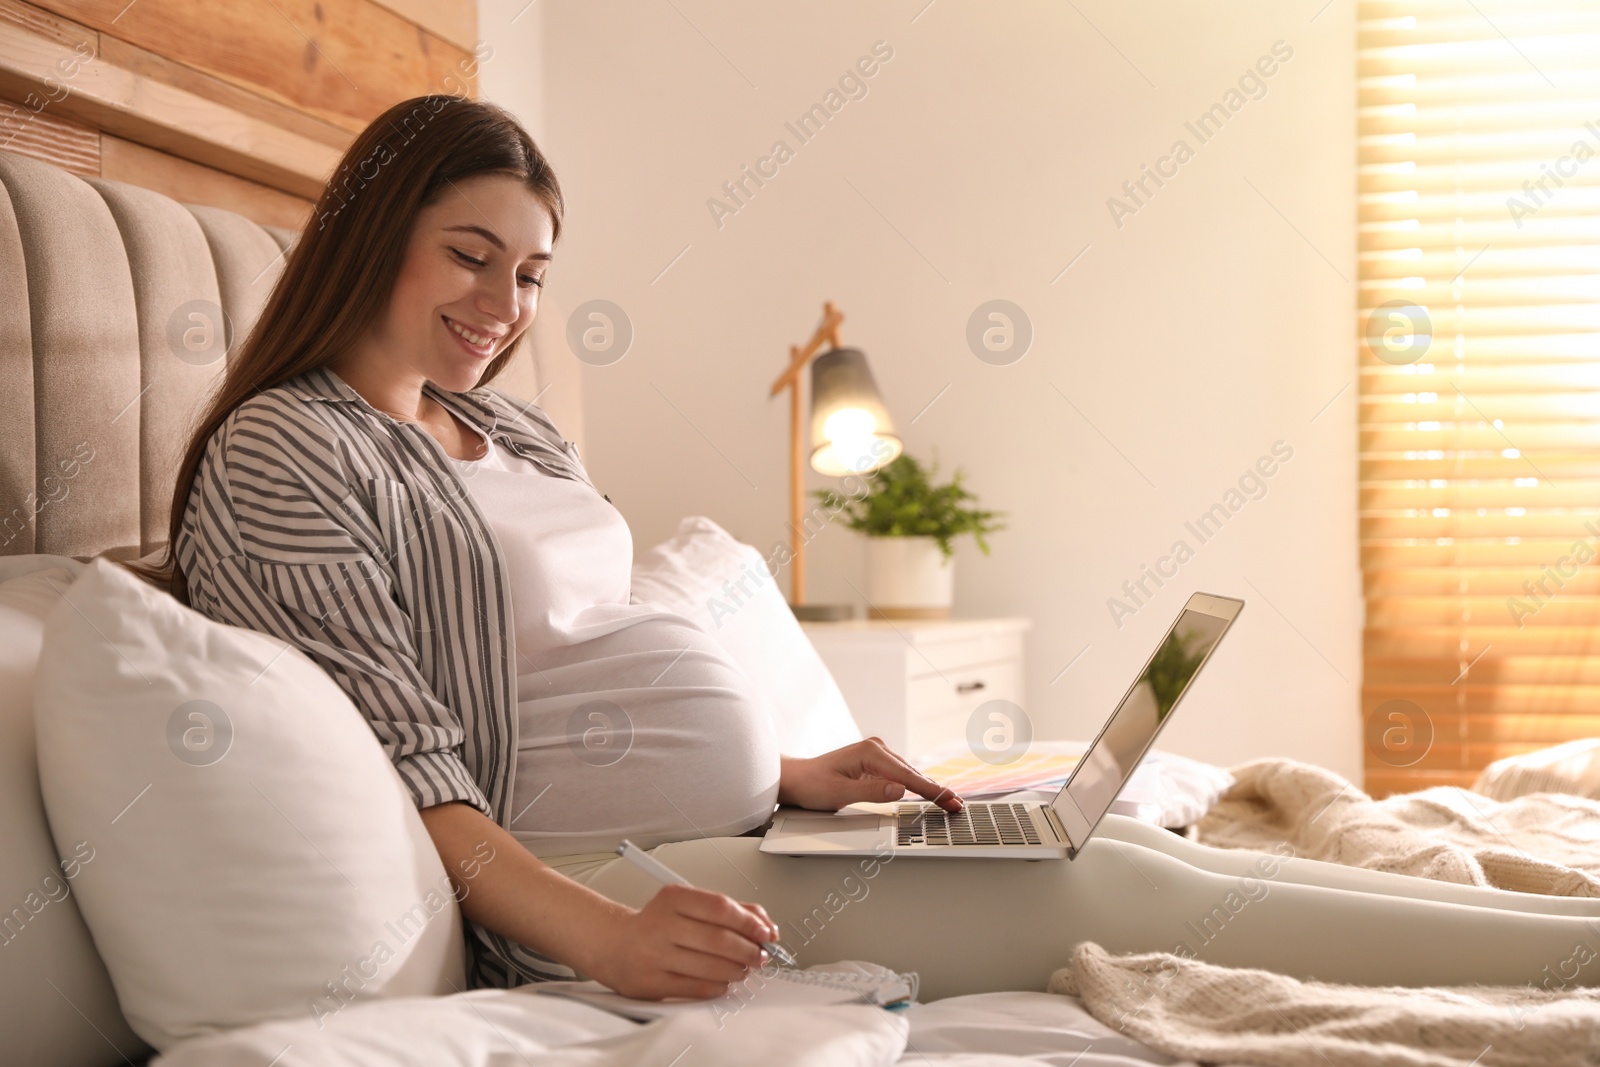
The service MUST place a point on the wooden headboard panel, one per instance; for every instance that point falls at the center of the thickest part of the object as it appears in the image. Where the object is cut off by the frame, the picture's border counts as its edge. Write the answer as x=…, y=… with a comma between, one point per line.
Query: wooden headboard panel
x=104, y=364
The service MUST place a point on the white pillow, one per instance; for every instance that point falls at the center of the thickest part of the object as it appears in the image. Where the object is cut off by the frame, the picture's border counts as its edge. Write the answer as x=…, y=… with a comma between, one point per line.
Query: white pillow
x=1182, y=789
x=724, y=587
x=1570, y=768
x=51, y=978
x=256, y=856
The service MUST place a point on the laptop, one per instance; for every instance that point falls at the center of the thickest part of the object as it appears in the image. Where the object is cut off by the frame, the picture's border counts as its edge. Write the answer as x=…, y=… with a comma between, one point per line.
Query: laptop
x=1029, y=831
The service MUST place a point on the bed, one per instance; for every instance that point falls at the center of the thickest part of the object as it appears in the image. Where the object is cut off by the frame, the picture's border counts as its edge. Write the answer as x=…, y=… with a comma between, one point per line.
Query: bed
x=117, y=306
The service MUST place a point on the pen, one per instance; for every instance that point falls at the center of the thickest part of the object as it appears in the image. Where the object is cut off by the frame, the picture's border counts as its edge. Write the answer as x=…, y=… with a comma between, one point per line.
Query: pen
x=667, y=876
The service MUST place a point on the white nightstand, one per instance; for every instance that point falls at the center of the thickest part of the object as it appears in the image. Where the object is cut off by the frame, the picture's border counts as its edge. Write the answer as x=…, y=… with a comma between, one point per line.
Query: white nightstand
x=915, y=682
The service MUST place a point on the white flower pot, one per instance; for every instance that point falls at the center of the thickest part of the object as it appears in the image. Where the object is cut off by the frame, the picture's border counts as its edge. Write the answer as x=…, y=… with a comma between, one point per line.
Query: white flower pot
x=908, y=578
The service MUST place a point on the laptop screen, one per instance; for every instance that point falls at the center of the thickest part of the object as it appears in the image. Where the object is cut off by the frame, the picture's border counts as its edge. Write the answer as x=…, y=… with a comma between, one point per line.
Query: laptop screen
x=1110, y=761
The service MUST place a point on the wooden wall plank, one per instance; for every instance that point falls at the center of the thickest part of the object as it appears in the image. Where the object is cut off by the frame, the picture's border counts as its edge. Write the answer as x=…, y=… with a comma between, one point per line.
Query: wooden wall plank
x=455, y=21
x=336, y=60
x=37, y=20
x=164, y=116
x=194, y=183
x=42, y=135
x=158, y=68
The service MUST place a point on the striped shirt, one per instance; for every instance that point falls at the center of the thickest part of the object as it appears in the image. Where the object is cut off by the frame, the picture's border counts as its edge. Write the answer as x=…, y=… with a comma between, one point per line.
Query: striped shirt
x=350, y=535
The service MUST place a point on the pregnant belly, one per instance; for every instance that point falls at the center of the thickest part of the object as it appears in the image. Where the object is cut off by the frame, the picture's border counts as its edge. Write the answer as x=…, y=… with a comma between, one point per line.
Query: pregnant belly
x=646, y=731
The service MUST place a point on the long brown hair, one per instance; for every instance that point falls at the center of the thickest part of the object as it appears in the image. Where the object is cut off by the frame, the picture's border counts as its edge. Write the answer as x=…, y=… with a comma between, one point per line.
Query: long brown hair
x=341, y=272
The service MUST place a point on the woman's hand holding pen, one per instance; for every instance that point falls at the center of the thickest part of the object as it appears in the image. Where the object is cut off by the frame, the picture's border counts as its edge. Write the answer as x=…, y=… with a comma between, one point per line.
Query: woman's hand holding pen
x=864, y=771
x=687, y=942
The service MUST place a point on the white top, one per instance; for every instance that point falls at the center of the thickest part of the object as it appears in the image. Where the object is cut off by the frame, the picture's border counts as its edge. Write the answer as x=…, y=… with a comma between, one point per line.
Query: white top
x=632, y=721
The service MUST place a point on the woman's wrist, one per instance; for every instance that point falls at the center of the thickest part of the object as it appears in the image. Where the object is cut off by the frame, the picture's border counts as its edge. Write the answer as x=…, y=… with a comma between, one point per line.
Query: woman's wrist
x=579, y=926
x=512, y=892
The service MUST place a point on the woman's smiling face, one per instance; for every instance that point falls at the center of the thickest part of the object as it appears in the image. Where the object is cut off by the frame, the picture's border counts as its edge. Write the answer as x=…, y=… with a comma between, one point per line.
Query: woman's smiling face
x=469, y=284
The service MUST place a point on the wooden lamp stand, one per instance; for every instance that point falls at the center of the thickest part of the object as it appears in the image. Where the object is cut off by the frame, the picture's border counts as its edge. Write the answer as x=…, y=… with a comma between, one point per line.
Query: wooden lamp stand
x=799, y=357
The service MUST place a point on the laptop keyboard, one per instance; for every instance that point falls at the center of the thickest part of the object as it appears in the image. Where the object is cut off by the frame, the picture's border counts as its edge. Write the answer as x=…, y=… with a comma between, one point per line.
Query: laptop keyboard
x=979, y=823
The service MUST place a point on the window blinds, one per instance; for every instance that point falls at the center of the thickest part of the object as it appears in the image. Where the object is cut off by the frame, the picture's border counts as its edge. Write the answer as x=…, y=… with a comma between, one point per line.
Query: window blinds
x=1479, y=185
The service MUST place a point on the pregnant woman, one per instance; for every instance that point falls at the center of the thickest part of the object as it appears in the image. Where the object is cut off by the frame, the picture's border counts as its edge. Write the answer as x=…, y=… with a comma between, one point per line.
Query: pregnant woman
x=360, y=490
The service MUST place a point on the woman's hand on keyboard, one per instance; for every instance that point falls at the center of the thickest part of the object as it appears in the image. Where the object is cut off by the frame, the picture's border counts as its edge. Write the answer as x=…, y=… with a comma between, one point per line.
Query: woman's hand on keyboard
x=687, y=942
x=864, y=771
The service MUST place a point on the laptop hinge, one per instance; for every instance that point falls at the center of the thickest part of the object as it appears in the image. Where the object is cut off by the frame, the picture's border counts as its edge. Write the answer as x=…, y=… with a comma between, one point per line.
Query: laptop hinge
x=1055, y=824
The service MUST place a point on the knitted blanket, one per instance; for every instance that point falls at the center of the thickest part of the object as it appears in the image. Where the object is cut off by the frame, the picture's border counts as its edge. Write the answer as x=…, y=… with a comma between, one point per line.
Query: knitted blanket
x=1199, y=1011
x=1541, y=843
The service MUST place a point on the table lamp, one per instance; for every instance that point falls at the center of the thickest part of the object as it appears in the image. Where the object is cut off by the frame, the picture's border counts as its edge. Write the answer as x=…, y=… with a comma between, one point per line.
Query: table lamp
x=851, y=433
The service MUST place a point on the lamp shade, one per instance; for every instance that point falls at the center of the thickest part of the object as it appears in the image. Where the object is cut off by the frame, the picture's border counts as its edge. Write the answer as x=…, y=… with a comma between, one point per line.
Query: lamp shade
x=851, y=432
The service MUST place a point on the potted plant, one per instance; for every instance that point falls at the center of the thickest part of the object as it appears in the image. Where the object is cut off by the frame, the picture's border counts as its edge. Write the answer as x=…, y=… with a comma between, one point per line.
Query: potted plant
x=909, y=523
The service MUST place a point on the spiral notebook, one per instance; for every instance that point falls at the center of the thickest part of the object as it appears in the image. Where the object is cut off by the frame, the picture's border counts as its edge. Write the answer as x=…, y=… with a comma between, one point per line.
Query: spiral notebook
x=767, y=986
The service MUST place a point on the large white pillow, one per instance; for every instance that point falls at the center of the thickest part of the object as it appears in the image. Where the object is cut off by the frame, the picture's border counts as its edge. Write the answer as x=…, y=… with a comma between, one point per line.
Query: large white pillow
x=723, y=585
x=256, y=856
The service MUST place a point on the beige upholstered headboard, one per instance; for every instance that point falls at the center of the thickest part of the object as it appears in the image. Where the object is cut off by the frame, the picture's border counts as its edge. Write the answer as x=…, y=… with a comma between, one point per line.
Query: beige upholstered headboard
x=105, y=358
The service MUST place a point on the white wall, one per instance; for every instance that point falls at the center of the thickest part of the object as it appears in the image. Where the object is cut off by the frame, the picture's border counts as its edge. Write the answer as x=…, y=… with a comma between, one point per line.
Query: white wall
x=513, y=74
x=1211, y=323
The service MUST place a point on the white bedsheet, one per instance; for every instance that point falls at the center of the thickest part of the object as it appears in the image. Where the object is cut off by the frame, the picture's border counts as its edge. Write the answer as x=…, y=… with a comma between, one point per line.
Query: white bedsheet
x=1011, y=1029
x=502, y=1028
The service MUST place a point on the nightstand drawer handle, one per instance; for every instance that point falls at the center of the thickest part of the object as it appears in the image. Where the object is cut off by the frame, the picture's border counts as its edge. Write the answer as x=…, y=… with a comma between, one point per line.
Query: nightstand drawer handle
x=967, y=687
